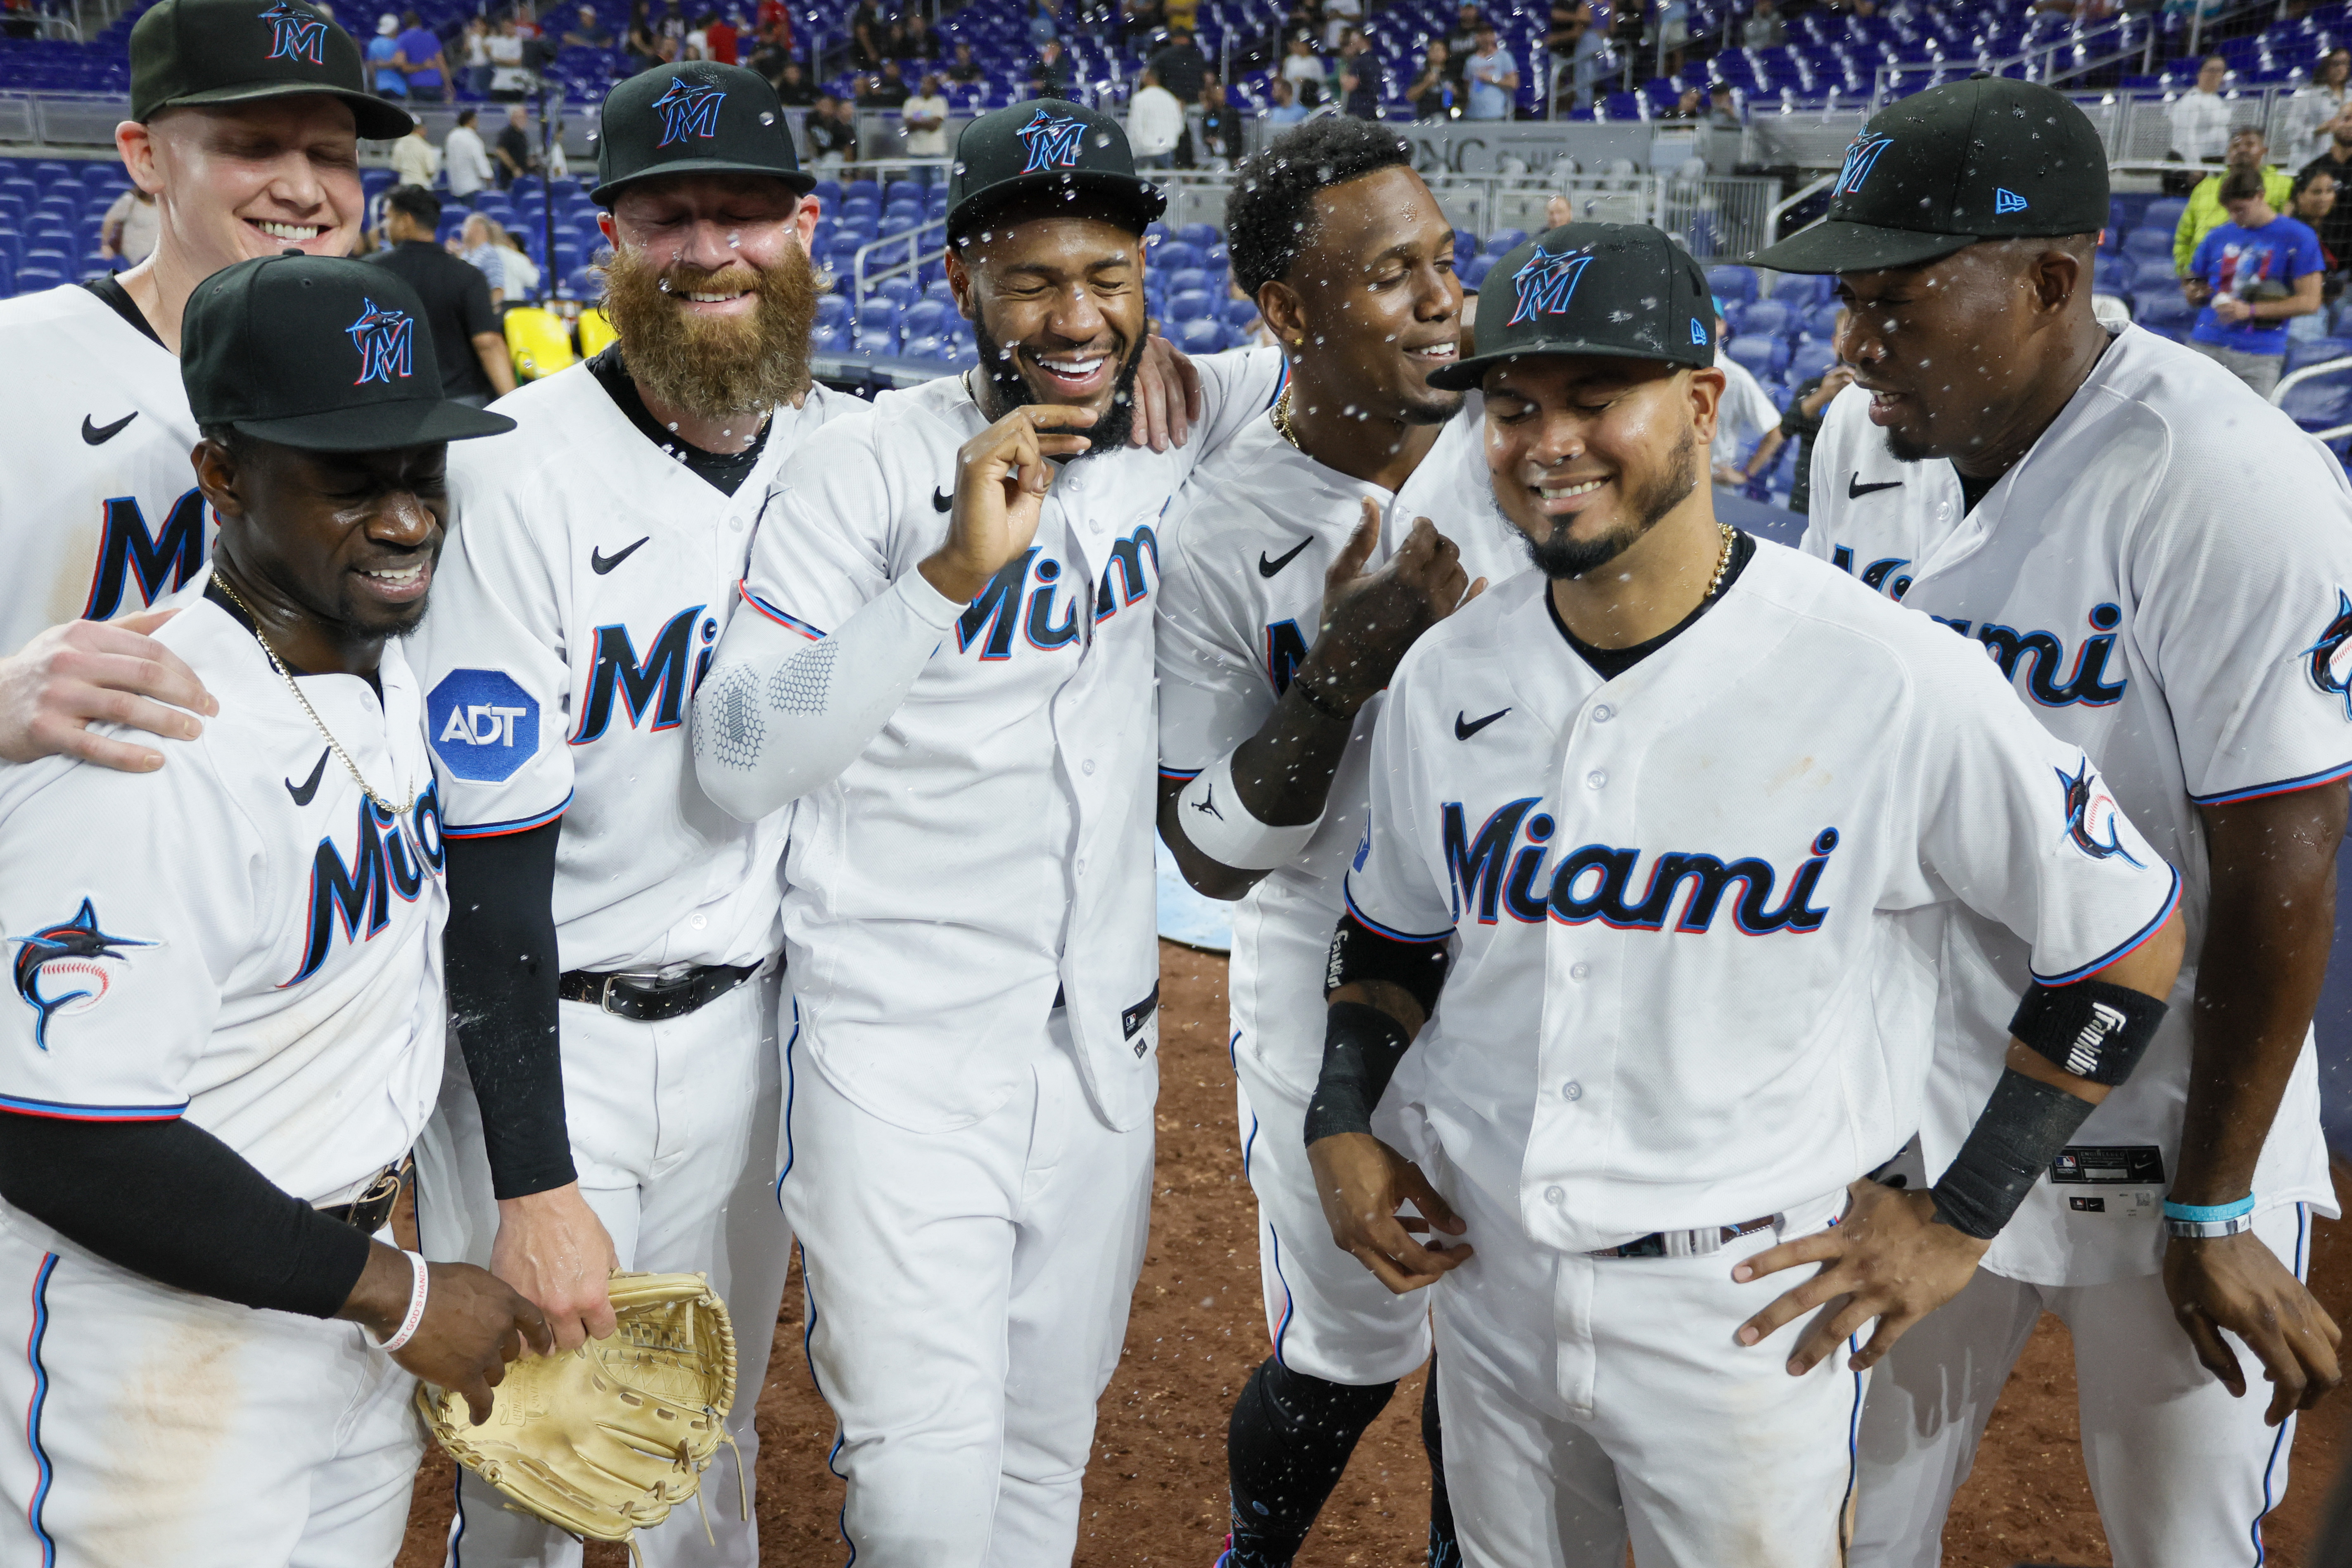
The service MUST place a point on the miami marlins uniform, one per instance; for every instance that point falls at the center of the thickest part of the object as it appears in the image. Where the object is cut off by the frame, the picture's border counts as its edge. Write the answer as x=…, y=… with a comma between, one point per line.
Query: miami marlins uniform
x=242, y=940
x=968, y=910
x=2163, y=579
x=100, y=515
x=576, y=608
x=1250, y=539
x=1697, y=910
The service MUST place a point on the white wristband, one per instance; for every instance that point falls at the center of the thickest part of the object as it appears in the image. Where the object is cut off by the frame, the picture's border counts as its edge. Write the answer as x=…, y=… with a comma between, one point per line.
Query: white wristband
x=407, y=1330
x=1219, y=826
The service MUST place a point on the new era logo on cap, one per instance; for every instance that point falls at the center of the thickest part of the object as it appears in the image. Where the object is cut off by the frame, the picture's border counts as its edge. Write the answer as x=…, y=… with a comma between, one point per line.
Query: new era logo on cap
x=689, y=110
x=296, y=34
x=1051, y=140
x=2007, y=201
x=1546, y=284
x=384, y=340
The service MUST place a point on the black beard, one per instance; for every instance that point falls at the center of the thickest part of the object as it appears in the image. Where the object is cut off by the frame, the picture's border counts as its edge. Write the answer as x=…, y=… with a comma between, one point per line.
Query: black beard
x=1904, y=449
x=1110, y=428
x=1561, y=557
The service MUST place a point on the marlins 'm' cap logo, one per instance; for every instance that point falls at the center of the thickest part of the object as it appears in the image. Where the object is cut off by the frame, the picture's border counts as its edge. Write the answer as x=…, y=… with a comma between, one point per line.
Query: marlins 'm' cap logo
x=384, y=339
x=2328, y=661
x=2091, y=815
x=1861, y=158
x=296, y=35
x=74, y=955
x=1052, y=139
x=1546, y=284
x=688, y=109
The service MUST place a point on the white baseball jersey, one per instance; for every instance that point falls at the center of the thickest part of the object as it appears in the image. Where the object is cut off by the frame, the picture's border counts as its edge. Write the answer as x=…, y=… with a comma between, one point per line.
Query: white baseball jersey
x=240, y=938
x=100, y=515
x=1249, y=542
x=2164, y=580
x=991, y=848
x=1745, y=413
x=576, y=608
x=1697, y=907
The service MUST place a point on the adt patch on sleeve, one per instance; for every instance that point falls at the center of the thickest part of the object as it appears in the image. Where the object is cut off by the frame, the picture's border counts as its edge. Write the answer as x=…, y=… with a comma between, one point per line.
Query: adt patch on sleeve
x=484, y=725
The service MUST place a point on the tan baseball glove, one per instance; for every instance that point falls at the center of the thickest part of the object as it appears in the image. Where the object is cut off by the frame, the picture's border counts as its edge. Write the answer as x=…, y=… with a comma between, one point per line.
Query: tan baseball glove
x=606, y=1439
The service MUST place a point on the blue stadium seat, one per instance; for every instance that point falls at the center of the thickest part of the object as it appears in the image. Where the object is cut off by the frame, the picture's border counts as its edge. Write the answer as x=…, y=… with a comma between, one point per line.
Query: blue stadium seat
x=1803, y=292
x=2111, y=274
x=1729, y=283
x=862, y=190
x=1811, y=359
x=2321, y=403
x=832, y=309
x=1241, y=313
x=2148, y=241
x=878, y=326
x=939, y=288
x=1769, y=318
x=900, y=291
x=826, y=191
x=926, y=318
x=831, y=340
x=932, y=348
x=1191, y=305
x=31, y=278
x=2164, y=310
x=1500, y=242
x=1218, y=258
x=2301, y=352
x=1199, y=235
x=1465, y=245
x=1473, y=272
x=1175, y=256
x=2152, y=272
x=1199, y=335
x=1821, y=321
x=1763, y=356
x=2164, y=216
x=1187, y=278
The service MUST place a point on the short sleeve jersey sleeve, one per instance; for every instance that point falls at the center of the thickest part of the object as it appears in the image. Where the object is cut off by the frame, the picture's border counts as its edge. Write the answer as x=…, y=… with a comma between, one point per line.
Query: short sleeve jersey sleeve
x=2303, y=256
x=2200, y=262
x=122, y=946
x=491, y=660
x=1213, y=693
x=822, y=549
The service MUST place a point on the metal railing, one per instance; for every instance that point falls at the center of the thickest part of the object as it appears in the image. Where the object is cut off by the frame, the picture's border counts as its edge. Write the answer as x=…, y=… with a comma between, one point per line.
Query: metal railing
x=2295, y=378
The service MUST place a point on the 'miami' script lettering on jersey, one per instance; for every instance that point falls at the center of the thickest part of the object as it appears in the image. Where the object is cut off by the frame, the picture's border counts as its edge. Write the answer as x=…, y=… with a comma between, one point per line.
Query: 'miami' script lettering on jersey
x=1501, y=868
x=356, y=893
x=657, y=684
x=161, y=560
x=2037, y=661
x=1050, y=621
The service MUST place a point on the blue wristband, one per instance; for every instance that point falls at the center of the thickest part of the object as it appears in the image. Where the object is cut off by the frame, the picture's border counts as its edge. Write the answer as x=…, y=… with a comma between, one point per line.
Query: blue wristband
x=2207, y=1213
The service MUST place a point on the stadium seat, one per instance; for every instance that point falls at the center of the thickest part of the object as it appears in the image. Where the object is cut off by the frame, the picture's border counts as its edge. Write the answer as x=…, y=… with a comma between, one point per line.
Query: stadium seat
x=900, y=290
x=1241, y=313
x=1769, y=318
x=935, y=349
x=1188, y=278
x=878, y=326
x=1199, y=235
x=1811, y=359
x=1821, y=321
x=1200, y=335
x=1176, y=256
x=2153, y=272
x=1502, y=240
x=1804, y=291
x=2322, y=402
x=1191, y=305
x=2164, y=310
x=32, y=277
x=2148, y=241
x=596, y=333
x=2302, y=351
x=1730, y=283
x=925, y=319
x=539, y=341
x=832, y=310
x=2164, y=216
x=831, y=340
x=1473, y=272
x=1763, y=356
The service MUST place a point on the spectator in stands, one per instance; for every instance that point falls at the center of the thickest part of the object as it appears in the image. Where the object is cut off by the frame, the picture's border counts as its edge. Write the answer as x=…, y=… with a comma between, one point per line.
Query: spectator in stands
x=643, y=47
x=385, y=74
x=1744, y=414
x=887, y=91
x=2303, y=120
x=922, y=44
x=587, y=32
x=1049, y=73
x=720, y=42
x=1576, y=35
x=1764, y=29
x=2246, y=151
x=420, y=57
x=1300, y=64
x=1691, y=105
x=2315, y=207
x=1221, y=128
x=771, y=51
x=1801, y=423
x=127, y=232
x=1432, y=92
x=1282, y=107
x=866, y=36
x=477, y=246
x=2252, y=275
x=473, y=51
x=2335, y=228
x=1043, y=29
x=1668, y=36
x=963, y=70
x=516, y=155
x=1462, y=42
x=2201, y=118
x=924, y=118
x=467, y=159
x=466, y=340
x=521, y=271
x=414, y=160
x=793, y=89
x=1181, y=67
x=511, y=80
x=1494, y=77
x=830, y=134
x=1155, y=123
x=1360, y=79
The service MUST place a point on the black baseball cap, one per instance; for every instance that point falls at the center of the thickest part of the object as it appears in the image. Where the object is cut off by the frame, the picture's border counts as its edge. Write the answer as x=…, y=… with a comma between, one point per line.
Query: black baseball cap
x=1621, y=290
x=1987, y=158
x=322, y=353
x=694, y=118
x=239, y=51
x=1045, y=144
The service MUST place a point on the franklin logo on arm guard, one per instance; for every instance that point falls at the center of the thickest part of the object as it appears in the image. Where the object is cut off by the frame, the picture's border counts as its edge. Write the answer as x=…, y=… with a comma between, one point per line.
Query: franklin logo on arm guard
x=385, y=341
x=483, y=725
x=74, y=953
x=1051, y=140
x=688, y=109
x=295, y=32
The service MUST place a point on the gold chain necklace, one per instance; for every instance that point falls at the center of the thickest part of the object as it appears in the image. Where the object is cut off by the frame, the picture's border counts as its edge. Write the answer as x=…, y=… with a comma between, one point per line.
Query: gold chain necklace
x=336, y=746
x=1281, y=412
x=1722, y=563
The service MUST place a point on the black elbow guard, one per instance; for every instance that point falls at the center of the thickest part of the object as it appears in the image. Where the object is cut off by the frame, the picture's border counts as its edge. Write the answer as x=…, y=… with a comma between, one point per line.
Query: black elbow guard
x=1359, y=953
x=2092, y=1028
x=2024, y=1125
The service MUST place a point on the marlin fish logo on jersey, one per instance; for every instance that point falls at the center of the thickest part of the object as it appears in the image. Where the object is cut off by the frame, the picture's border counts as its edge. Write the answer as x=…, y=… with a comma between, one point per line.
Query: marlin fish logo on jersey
x=75, y=953
x=296, y=35
x=688, y=109
x=2328, y=661
x=1861, y=158
x=1546, y=284
x=2091, y=815
x=1053, y=142
x=384, y=339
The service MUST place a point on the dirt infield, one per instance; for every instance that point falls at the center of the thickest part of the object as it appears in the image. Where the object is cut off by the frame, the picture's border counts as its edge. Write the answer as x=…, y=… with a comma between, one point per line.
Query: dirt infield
x=1155, y=1494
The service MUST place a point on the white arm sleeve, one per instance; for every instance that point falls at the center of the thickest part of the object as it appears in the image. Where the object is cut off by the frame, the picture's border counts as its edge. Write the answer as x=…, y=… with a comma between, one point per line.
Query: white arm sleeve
x=784, y=714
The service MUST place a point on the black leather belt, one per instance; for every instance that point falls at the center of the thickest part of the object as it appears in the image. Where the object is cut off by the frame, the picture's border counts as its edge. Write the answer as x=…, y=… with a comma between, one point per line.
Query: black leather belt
x=1686, y=1243
x=643, y=1000
x=372, y=1210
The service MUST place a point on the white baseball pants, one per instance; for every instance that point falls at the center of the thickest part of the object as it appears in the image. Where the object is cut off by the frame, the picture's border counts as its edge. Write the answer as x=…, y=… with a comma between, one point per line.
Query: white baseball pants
x=1590, y=1402
x=2182, y=1473
x=150, y=1426
x=674, y=1131
x=1326, y=1314
x=967, y=1302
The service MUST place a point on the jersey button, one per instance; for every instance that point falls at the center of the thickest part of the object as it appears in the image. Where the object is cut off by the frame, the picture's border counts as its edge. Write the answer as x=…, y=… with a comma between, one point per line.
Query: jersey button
x=1579, y=971
x=1602, y=714
x=1571, y=1089
x=1555, y=1196
x=700, y=922
x=1087, y=766
x=1596, y=778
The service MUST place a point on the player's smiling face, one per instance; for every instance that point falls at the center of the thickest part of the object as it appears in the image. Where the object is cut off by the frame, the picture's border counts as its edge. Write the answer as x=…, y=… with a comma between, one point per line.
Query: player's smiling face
x=1376, y=297
x=712, y=235
x=1062, y=299
x=238, y=181
x=1943, y=350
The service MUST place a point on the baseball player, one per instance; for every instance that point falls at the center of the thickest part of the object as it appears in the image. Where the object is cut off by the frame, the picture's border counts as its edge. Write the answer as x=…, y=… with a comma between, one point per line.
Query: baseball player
x=1662, y=840
x=227, y=1025
x=245, y=124
x=2156, y=561
x=1302, y=565
x=612, y=952
x=945, y=667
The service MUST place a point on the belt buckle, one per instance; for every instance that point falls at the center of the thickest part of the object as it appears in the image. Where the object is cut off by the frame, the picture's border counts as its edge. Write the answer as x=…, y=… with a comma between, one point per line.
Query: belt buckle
x=386, y=1185
x=605, y=996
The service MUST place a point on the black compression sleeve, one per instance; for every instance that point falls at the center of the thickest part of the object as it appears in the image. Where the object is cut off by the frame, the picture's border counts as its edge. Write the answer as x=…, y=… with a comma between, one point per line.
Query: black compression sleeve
x=168, y=1200
x=1362, y=1048
x=503, y=970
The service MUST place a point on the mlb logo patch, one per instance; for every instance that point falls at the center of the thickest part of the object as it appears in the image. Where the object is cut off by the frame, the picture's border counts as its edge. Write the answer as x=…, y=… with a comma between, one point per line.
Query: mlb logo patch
x=484, y=725
x=385, y=340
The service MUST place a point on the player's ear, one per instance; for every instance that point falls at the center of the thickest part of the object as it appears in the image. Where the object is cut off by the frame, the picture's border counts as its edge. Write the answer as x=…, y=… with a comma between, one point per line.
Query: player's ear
x=1705, y=389
x=2055, y=274
x=137, y=146
x=1284, y=313
x=959, y=280
x=217, y=475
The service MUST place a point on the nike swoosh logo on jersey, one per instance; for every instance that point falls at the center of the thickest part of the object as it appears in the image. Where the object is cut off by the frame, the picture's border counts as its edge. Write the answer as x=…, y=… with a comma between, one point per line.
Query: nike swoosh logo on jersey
x=309, y=787
x=941, y=500
x=99, y=435
x=1268, y=568
x=1464, y=727
x=600, y=563
x=1855, y=490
